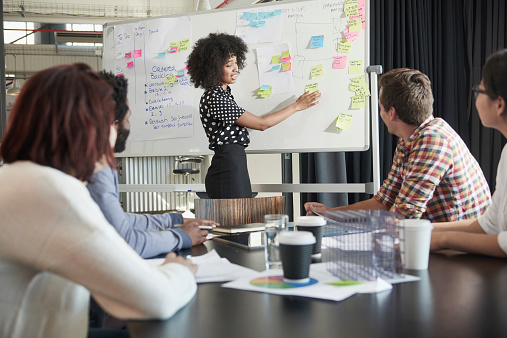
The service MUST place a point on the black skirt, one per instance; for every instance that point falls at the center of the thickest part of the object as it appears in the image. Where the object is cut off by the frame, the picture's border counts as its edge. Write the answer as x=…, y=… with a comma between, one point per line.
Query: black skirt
x=227, y=175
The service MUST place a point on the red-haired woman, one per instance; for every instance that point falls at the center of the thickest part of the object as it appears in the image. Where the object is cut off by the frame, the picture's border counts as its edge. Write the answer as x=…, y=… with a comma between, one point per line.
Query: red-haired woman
x=56, y=246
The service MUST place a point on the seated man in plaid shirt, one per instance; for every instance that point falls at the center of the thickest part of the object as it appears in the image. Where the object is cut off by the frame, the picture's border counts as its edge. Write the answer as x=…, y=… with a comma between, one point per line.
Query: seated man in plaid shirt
x=434, y=175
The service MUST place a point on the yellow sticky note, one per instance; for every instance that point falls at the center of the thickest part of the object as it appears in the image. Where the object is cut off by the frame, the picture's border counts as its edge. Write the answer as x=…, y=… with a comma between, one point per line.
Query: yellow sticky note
x=312, y=87
x=317, y=71
x=286, y=66
x=275, y=59
x=343, y=121
x=344, y=46
x=350, y=9
x=357, y=82
x=355, y=25
x=355, y=66
x=358, y=102
x=285, y=54
x=185, y=44
x=362, y=91
x=170, y=79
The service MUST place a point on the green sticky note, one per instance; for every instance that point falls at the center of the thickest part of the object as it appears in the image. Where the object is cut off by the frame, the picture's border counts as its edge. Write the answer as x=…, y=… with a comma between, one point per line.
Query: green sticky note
x=350, y=9
x=170, y=79
x=344, y=46
x=185, y=44
x=317, y=71
x=285, y=54
x=345, y=282
x=275, y=59
x=358, y=102
x=355, y=66
x=312, y=87
x=343, y=121
x=355, y=25
x=286, y=66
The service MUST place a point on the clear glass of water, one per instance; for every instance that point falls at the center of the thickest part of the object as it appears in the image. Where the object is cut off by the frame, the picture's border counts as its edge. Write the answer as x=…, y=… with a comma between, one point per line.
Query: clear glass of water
x=274, y=225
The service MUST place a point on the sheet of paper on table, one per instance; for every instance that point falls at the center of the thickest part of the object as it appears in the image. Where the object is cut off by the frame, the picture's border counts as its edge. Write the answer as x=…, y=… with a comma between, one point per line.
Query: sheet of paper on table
x=271, y=281
x=213, y=268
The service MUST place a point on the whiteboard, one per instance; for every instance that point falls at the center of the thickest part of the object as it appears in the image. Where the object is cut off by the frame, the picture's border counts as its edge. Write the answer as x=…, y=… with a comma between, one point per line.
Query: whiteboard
x=311, y=130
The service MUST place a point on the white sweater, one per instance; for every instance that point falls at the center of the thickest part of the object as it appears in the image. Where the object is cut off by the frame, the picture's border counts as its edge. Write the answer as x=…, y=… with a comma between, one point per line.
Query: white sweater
x=56, y=247
x=494, y=220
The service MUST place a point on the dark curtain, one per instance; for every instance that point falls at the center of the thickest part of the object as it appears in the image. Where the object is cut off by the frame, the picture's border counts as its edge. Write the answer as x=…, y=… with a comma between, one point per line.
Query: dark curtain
x=447, y=40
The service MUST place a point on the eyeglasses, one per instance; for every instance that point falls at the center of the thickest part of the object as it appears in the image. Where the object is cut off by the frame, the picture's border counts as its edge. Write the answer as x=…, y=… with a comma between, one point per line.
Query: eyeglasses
x=478, y=91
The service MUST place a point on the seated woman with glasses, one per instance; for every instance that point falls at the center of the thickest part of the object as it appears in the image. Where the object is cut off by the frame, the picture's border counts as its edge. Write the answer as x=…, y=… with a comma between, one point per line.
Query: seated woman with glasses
x=56, y=247
x=486, y=235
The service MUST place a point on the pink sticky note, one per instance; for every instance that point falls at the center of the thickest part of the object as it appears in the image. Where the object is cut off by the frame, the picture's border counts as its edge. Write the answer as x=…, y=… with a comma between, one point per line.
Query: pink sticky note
x=130, y=64
x=173, y=49
x=121, y=74
x=286, y=59
x=128, y=55
x=340, y=62
x=351, y=36
x=138, y=53
x=186, y=67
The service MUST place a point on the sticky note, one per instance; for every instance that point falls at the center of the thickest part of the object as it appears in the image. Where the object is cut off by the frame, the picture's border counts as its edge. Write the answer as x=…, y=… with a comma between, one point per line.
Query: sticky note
x=285, y=54
x=317, y=41
x=253, y=16
x=265, y=87
x=265, y=91
x=355, y=25
x=278, y=12
x=138, y=53
x=270, y=14
x=261, y=23
x=287, y=59
x=173, y=47
x=275, y=59
x=130, y=64
x=344, y=46
x=340, y=62
x=286, y=66
x=183, y=44
x=317, y=71
x=170, y=79
x=312, y=87
x=275, y=68
x=343, y=121
x=261, y=15
x=351, y=36
x=121, y=74
x=350, y=9
x=362, y=91
x=161, y=55
x=253, y=23
x=245, y=16
x=180, y=73
x=128, y=55
x=357, y=82
x=355, y=66
x=358, y=102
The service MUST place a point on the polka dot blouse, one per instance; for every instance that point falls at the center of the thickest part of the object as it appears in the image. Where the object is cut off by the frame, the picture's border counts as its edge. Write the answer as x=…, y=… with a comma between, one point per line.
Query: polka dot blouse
x=219, y=113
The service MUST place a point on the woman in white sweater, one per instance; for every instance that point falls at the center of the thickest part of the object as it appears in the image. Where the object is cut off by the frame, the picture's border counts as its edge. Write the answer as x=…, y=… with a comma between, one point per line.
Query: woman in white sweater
x=486, y=235
x=55, y=245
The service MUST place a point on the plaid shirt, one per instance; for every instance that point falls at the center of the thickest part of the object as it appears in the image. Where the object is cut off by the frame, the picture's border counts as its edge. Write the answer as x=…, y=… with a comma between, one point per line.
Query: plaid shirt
x=434, y=176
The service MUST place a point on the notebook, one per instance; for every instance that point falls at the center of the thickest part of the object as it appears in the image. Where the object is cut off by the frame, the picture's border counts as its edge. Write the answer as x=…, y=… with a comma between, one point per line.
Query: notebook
x=233, y=229
x=245, y=240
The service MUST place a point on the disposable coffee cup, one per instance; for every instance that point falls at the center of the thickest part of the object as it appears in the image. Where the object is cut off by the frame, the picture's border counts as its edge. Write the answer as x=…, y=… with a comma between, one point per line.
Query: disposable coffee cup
x=415, y=239
x=314, y=224
x=296, y=254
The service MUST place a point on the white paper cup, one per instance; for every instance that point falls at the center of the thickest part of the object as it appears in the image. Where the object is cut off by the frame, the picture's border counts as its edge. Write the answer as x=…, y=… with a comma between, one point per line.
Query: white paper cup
x=296, y=254
x=415, y=239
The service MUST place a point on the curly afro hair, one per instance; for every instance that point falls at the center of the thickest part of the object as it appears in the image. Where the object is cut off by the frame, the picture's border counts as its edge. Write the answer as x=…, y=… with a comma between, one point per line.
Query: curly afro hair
x=120, y=86
x=206, y=61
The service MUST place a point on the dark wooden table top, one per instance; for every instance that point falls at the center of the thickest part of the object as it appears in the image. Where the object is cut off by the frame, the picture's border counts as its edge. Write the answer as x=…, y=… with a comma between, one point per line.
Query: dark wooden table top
x=458, y=296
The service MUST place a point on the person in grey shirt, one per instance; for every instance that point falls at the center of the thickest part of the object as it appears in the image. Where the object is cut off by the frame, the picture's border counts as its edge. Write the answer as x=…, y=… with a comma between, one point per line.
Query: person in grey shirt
x=149, y=235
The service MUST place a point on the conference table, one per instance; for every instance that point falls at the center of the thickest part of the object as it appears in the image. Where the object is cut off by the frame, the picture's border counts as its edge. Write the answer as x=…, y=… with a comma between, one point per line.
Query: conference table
x=460, y=295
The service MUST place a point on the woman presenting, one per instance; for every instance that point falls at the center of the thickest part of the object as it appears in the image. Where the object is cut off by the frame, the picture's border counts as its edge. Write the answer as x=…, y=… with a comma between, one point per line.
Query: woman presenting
x=213, y=65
